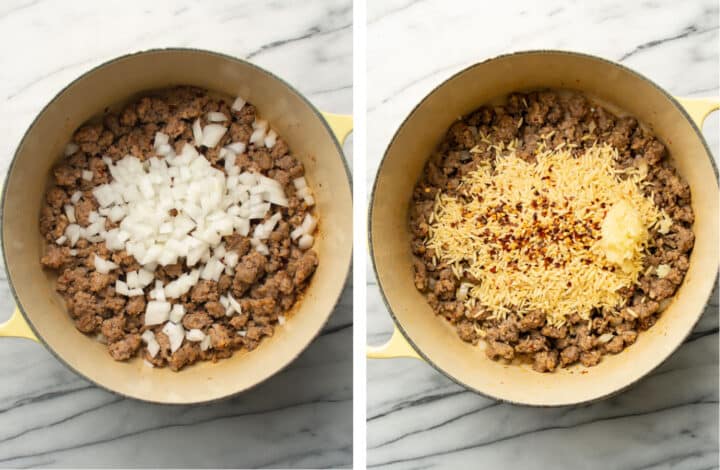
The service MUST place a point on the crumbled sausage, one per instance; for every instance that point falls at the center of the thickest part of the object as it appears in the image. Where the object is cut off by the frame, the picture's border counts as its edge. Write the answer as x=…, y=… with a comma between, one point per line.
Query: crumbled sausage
x=125, y=348
x=545, y=361
x=265, y=285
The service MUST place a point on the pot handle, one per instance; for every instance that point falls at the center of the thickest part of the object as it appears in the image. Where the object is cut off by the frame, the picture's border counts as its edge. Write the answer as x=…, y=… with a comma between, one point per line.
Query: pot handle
x=397, y=346
x=341, y=125
x=699, y=108
x=17, y=327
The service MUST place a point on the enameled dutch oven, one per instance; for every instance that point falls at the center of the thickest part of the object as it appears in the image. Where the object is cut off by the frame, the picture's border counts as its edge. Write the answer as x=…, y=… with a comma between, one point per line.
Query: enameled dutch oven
x=421, y=334
x=314, y=138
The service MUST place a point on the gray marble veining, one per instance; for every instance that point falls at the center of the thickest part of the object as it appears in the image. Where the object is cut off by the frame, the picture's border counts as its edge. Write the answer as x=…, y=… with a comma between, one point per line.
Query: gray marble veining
x=417, y=418
x=50, y=417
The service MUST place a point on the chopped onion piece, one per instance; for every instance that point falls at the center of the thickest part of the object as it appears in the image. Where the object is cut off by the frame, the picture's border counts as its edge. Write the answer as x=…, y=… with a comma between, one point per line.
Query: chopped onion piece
x=132, y=280
x=75, y=198
x=260, y=124
x=309, y=223
x=305, y=242
x=103, y=266
x=177, y=313
x=176, y=335
x=197, y=132
x=70, y=213
x=61, y=240
x=153, y=347
x=211, y=135
x=195, y=335
x=236, y=147
x=121, y=288
x=300, y=183
x=258, y=137
x=157, y=312
x=231, y=259
x=205, y=344
x=161, y=139
x=297, y=233
x=238, y=104
x=281, y=319
x=259, y=246
x=216, y=116
x=87, y=175
x=234, y=304
x=270, y=139
x=71, y=148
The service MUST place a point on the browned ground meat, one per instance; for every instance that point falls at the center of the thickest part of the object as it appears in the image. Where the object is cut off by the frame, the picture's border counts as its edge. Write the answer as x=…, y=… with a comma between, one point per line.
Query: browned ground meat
x=266, y=286
x=569, y=116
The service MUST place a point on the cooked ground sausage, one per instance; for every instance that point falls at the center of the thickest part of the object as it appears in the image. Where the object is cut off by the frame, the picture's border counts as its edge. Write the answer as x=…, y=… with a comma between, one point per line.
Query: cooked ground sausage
x=267, y=286
x=568, y=117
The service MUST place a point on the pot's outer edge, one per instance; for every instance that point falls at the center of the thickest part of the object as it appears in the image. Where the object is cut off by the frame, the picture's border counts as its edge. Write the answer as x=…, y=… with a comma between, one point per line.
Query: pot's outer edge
x=397, y=323
x=12, y=164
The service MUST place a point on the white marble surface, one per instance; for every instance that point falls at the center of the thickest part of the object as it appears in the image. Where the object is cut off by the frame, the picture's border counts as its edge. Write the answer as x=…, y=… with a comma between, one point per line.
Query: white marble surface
x=49, y=416
x=420, y=419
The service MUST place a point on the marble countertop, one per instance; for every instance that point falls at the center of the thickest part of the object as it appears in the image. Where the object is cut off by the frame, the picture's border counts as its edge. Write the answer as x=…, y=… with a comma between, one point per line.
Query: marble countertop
x=49, y=416
x=417, y=418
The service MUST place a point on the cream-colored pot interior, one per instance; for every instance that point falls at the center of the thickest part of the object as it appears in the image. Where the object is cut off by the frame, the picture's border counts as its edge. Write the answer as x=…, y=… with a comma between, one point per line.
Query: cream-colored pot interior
x=435, y=339
x=309, y=138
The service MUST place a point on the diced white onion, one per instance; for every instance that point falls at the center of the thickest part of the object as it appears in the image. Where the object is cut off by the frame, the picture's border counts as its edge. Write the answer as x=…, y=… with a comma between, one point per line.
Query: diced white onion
x=206, y=343
x=305, y=242
x=197, y=132
x=236, y=147
x=258, y=137
x=195, y=335
x=153, y=347
x=231, y=259
x=309, y=223
x=61, y=240
x=75, y=198
x=176, y=335
x=300, y=183
x=238, y=104
x=87, y=175
x=270, y=139
x=103, y=266
x=211, y=134
x=157, y=312
x=234, y=304
x=71, y=148
x=215, y=116
x=177, y=313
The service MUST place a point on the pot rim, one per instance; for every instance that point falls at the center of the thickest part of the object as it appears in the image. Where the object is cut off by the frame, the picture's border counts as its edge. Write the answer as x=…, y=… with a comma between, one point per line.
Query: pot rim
x=19, y=304
x=371, y=248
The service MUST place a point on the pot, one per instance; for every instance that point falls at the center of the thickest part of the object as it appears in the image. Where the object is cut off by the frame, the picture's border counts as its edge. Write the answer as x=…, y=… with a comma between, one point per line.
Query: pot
x=421, y=334
x=41, y=314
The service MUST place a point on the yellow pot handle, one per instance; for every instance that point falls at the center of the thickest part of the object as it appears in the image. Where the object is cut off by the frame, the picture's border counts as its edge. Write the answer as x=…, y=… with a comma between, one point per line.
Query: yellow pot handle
x=396, y=347
x=699, y=108
x=341, y=125
x=17, y=327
